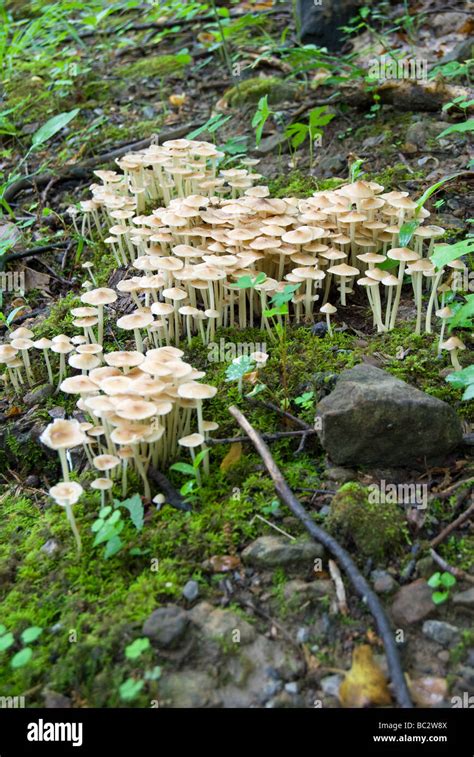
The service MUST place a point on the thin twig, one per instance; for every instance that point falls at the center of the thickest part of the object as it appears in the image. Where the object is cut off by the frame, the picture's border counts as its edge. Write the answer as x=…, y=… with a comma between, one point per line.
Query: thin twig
x=461, y=575
x=276, y=409
x=340, y=590
x=172, y=497
x=268, y=437
x=451, y=489
x=452, y=526
x=345, y=561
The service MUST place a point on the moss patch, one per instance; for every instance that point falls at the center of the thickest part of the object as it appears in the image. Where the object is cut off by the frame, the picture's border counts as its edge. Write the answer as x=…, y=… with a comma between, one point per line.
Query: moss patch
x=251, y=90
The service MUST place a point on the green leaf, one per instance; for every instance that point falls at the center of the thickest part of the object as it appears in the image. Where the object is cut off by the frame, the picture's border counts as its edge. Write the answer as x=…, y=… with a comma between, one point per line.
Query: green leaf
x=431, y=190
x=211, y=125
x=434, y=581
x=439, y=597
x=239, y=367
x=153, y=675
x=281, y=298
x=114, y=518
x=406, y=232
x=469, y=393
x=130, y=689
x=460, y=379
x=31, y=634
x=136, y=648
x=11, y=316
x=2, y=629
x=21, y=658
x=113, y=546
x=97, y=525
x=6, y=641
x=106, y=532
x=51, y=127
x=465, y=312
x=445, y=253
x=134, y=505
x=448, y=580
x=459, y=128
x=105, y=511
x=200, y=457
x=188, y=487
x=185, y=468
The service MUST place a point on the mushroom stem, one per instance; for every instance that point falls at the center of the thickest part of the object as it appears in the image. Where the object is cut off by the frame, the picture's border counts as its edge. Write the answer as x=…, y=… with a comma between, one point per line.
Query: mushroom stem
x=343, y=290
x=141, y=470
x=454, y=360
x=328, y=322
x=48, y=366
x=398, y=293
x=201, y=431
x=198, y=472
x=64, y=465
x=441, y=335
x=387, y=309
x=431, y=301
x=100, y=326
x=72, y=522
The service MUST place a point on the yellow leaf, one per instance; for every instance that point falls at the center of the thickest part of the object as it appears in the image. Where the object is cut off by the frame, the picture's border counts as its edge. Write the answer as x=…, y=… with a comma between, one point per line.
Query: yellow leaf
x=177, y=100
x=365, y=683
x=233, y=456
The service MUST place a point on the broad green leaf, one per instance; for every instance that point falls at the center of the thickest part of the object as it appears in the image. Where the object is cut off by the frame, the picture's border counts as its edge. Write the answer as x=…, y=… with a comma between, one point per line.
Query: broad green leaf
x=200, y=457
x=435, y=580
x=134, y=505
x=130, y=689
x=51, y=127
x=465, y=312
x=97, y=525
x=439, y=597
x=105, y=511
x=21, y=658
x=105, y=533
x=114, y=518
x=445, y=253
x=469, y=393
x=136, y=648
x=238, y=368
x=6, y=641
x=460, y=379
x=406, y=232
x=448, y=580
x=31, y=634
x=188, y=487
x=458, y=128
x=113, y=546
x=185, y=468
x=2, y=629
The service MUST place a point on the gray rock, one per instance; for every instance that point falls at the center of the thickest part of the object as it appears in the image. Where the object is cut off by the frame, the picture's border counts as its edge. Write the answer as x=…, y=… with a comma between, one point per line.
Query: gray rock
x=441, y=632
x=272, y=688
x=339, y=474
x=166, y=625
x=37, y=396
x=300, y=592
x=461, y=52
x=320, y=23
x=330, y=685
x=53, y=700
x=283, y=700
x=366, y=418
x=383, y=582
x=275, y=551
x=329, y=166
x=292, y=687
x=412, y=603
x=425, y=567
x=189, y=689
x=325, y=510
x=421, y=132
x=464, y=598
x=50, y=548
x=32, y=481
x=215, y=623
x=191, y=591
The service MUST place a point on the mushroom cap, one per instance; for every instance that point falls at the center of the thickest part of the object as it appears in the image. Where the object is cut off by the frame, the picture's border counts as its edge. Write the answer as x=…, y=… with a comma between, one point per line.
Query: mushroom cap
x=7, y=353
x=358, y=190
x=66, y=493
x=402, y=254
x=328, y=309
x=210, y=425
x=101, y=296
x=453, y=343
x=194, y=391
x=78, y=385
x=390, y=280
x=63, y=434
x=106, y=462
x=124, y=359
x=343, y=270
x=42, y=344
x=21, y=333
x=137, y=320
x=445, y=312
x=102, y=484
x=21, y=343
x=89, y=349
x=135, y=410
x=259, y=357
x=84, y=362
x=191, y=441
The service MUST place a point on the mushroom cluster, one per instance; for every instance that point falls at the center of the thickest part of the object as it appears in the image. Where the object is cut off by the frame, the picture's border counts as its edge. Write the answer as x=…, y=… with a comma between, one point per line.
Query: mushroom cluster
x=170, y=217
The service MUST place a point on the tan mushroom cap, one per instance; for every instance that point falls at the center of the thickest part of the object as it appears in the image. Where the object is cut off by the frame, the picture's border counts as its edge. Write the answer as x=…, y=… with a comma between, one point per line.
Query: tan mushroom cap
x=84, y=362
x=42, y=344
x=7, y=353
x=106, y=462
x=138, y=320
x=343, y=270
x=21, y=343
x=328, y=309
x=453, y=343
x=21, y=333
x=66, y=493
x=124, y=359
x=63, y=434
x=402, y=254
x=444, y=313
x=191, y=441
x=100, y=296
x=210, y=425
x=135, y=410
x=194, y=391
x=78, y=385
x=102, y=484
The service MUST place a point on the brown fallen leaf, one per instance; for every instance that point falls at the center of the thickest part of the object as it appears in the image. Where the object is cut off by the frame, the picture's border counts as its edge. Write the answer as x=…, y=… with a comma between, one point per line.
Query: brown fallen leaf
x=233, y=456
x=224, y=563
x=365, y=684
x=177, y=100
x=428, y=691
x=12, y=411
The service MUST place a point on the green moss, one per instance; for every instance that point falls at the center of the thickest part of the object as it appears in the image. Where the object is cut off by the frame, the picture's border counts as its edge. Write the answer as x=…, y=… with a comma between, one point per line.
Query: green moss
x=251, y=90
x=155, y=65
x=367, y=529
x=393, y=175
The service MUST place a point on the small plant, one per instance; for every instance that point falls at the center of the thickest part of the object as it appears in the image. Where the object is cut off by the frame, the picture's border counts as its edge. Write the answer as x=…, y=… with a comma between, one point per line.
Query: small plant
x=24, y=655
x=188, y=489
x=109, y=525
x=297, y=133
x=443, y=582
x=260, y=118
x=238, y=369
x=305, y=400
x=273, y=508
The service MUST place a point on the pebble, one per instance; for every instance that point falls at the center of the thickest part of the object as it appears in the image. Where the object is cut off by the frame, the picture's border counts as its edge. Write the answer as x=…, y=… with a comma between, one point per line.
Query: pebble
x=50, y=547
x=319, y=329
x=444, y=655
x=330, y=685
x=272, y=688
x=412, y=603
x=464, y=598
x=38, y=396
x=383, y=582
x=191, y=591
x=32, y=481
x=166, y=625
x=292, y=687
x=441, y=632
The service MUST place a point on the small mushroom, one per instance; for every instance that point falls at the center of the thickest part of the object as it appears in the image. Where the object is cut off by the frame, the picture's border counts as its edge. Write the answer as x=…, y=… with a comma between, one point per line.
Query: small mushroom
x=67, y=494
x=328, y=311
x=453, y=345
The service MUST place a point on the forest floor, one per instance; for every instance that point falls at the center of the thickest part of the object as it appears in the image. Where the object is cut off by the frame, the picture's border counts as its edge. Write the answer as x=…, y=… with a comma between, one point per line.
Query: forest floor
x=293, y=643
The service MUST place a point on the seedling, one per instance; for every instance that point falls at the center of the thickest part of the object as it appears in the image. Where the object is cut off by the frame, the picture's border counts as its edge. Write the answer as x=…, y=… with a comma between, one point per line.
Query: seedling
x=443, y=582
x=24, y=655
x=109, y=525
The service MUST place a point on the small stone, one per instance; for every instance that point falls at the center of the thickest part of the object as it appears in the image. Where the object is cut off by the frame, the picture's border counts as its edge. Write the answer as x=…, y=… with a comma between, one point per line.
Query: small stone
x=464, y=598
x=425, y=567
x=302, y=635
x=444, y=655
x=166, y=625
x=299, y=592
x=292, y=687
x=383, y=582
x=441, y=632
x=340, y=475
x=325, y=510
x=37, y=396
x=271, y=688
x=215, y=623
x=50, y=547
x=319, y=329
x=32, y=481
x=283, y=701
x=412, y=603
x=275, y=551
x=330, y=685
x=53, y=700
x=57, y=412
x=190, y=689
x=191, y=591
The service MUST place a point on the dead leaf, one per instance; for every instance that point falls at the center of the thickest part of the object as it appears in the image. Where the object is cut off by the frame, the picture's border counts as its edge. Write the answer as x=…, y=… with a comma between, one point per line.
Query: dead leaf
x=224, y=563
x=12, y=411
x=251, y=377
x=365, y=683
x=233, y=456
x=205, y=38
x=428, y=691
x=36, y=280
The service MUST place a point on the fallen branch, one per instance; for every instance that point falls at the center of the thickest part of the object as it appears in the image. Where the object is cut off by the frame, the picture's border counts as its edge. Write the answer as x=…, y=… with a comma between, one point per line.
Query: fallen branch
x=4, y=259
x=358, y=581
x=461, y=575
x=172, y=497
x=446, y=493
x=452, y=526
x=83, y=170
x=284, y=413
x=340, y=590
x=267, y=437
